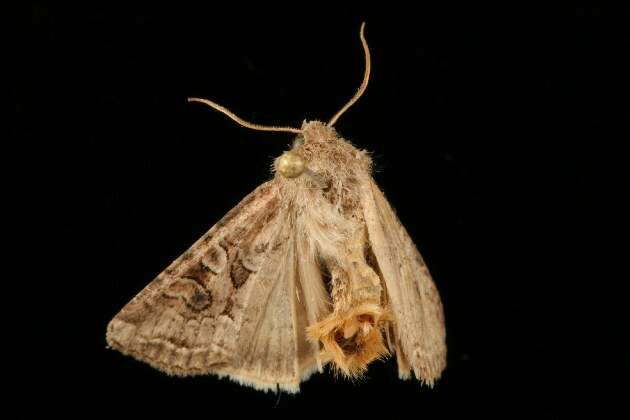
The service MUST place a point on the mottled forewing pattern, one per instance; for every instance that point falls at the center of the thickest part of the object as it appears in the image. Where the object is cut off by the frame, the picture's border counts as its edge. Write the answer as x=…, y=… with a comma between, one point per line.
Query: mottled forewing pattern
x=197, y=315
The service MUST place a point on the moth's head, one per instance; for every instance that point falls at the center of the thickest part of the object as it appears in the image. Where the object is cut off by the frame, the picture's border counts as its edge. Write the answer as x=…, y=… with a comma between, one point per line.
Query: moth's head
x=314, y=132
x=291, y=164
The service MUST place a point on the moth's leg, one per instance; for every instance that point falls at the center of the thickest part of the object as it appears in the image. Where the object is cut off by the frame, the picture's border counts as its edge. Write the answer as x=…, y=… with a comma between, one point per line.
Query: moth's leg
x=365, y=283
x=352, y=335
x=341, y=290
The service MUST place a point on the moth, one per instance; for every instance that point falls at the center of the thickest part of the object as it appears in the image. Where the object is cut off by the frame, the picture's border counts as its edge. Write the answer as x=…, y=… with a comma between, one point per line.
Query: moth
x=311, y=268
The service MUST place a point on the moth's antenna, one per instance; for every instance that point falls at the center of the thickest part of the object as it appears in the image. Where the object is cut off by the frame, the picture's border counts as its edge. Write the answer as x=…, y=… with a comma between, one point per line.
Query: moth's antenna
x=242, y=121
x=366, y=77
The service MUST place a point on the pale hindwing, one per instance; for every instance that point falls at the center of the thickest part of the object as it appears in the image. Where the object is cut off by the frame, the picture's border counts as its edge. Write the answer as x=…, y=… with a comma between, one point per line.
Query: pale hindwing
x=419, y=334
x=226, y=306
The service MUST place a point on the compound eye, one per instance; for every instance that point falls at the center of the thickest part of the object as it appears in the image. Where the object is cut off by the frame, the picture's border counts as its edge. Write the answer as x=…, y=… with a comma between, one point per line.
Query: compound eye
x=290, y=165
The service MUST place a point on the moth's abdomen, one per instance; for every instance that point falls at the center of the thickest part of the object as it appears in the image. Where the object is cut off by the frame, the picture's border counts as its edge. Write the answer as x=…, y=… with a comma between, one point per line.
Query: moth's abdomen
x=352, y=335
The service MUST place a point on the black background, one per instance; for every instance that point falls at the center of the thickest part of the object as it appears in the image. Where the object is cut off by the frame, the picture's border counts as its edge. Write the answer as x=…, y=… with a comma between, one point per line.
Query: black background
x=498, y=135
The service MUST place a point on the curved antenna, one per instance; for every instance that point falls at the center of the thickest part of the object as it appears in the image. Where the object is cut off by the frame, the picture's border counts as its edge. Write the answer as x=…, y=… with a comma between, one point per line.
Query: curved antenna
x=366, y=77
x=242, y=121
